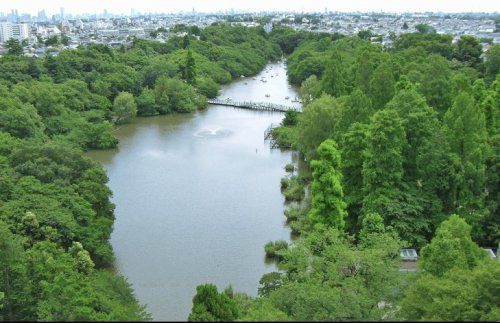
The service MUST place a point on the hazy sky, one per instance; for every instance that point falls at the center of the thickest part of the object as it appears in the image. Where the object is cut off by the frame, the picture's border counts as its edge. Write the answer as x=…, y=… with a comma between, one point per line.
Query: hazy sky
x=124, y=6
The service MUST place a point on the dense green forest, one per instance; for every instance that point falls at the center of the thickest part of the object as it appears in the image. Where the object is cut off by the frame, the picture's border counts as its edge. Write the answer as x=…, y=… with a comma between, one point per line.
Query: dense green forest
x=55, y=214
x=402, y=151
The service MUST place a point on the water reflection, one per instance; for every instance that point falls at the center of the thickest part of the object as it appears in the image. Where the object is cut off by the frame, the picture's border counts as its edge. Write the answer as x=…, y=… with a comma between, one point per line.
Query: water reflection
x=191, y=210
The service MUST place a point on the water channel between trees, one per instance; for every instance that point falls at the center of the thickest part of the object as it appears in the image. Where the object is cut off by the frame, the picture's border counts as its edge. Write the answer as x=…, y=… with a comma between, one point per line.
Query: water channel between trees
x=197, y=196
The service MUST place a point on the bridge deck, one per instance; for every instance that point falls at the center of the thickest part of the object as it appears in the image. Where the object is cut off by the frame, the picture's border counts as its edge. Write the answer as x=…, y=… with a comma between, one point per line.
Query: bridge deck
x=266, y=106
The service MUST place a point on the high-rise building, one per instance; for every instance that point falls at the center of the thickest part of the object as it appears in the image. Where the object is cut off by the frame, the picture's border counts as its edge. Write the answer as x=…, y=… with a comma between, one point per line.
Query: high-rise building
x=12, y=30
x=42, y=16
x=62, y=12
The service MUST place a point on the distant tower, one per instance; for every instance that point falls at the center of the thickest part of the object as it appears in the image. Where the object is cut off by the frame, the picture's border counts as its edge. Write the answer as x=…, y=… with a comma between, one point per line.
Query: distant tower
x=62, y=12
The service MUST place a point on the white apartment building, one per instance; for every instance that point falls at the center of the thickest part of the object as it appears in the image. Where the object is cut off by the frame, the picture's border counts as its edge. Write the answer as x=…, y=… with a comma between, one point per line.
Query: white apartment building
x=11, y=30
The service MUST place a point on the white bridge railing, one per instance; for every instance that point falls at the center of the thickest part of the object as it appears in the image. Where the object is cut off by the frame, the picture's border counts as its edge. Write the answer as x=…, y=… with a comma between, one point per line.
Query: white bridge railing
x=253, y=105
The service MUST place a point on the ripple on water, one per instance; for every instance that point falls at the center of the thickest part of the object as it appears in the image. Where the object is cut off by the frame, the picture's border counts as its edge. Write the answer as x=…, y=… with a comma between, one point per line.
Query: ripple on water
x=213, y=133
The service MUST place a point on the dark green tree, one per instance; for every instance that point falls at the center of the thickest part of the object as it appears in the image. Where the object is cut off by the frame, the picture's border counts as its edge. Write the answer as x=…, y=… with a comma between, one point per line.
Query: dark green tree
x=14, y=48
x=333, y=80
x=190, y=69
x=211, y=306
x=465, y=128
x=382, y=85
x=468, y=50
x=353, y=146
x=383, y=164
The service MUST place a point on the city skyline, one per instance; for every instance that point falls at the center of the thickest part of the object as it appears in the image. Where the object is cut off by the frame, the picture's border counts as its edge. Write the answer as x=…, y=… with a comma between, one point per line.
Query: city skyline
x=58, y=7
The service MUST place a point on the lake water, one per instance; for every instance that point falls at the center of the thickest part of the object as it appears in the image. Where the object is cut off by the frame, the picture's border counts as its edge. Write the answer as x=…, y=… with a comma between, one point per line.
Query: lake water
x=197, y=196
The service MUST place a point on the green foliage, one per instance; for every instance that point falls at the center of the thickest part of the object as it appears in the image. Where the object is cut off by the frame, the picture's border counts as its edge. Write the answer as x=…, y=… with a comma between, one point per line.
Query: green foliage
x=328, y=206
x=207, y=87
x=14, y=48
x=357, y=107
x=468, y=50
x=465, y=128
x=317, y=123
x=353, y=146
x=430, y=43
x=275, y=249
x=146, y=103
x=383, y=164
x=327, y=278
x=293, y=190
x=451, y=247
x=290, y=118
x=309, y=89
x=492, y=63
x=189, y=70
x=174, y=95
x=269, y=282
x=382, y=86
x=425, y=29
x=460, y=295
x=284, y=136
x=124, y=107
x=211, y=306
x=289, y=168
x=333, y=80
x=55, y=214
x=460, y=281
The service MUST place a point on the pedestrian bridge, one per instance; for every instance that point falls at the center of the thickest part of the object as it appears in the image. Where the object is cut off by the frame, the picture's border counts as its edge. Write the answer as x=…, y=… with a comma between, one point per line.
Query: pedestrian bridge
x=264, y=106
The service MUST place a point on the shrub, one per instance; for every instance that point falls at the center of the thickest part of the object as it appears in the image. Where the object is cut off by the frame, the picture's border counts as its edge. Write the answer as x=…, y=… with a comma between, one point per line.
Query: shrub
x=285, y=182
x=294, y=191
x=276, y=249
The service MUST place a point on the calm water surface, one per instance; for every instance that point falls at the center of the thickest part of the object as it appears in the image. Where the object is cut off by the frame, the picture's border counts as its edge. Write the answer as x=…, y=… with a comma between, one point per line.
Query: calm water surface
x=197, y=196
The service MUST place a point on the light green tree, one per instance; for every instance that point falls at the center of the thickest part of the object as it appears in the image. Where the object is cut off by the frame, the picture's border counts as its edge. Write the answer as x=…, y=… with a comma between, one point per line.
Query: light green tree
x=451, y=247
x=328, y=206
x=459, y=282
x=124, y=107
x=317, y=123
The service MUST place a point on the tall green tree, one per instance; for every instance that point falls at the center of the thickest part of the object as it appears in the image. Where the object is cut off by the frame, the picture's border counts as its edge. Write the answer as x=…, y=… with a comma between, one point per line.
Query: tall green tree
x=357, y=107
x=190, y=69
x=353, y=145
x=333, y=81
x=328, y=206
x=13, y=281
x=382, y=85
x=383, y=164
x=465, y=128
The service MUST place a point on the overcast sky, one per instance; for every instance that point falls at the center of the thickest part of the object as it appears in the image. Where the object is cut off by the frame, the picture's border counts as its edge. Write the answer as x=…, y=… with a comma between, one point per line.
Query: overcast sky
x=124, y=6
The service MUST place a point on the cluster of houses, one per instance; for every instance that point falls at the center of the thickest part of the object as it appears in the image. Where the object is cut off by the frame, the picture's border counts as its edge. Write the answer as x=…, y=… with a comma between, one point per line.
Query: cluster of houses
x=121, y=30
